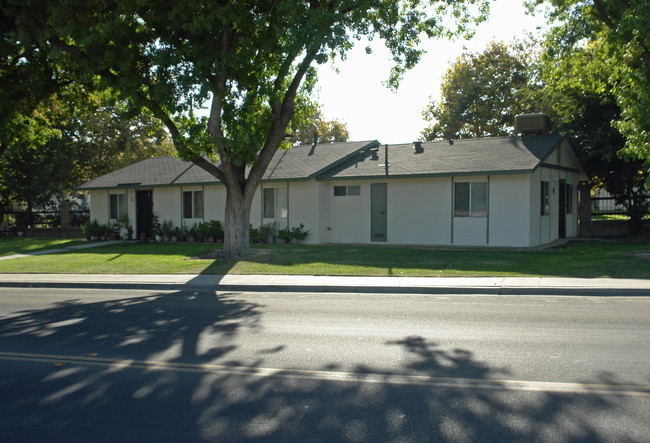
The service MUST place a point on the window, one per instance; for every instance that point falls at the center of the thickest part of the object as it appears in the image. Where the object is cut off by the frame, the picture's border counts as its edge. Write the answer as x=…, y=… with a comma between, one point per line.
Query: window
x=117, y=205
x=342, y=191
x=275, y=203
x=470, y=199
x=192, y=204
x=569, y=198
x=545, y=199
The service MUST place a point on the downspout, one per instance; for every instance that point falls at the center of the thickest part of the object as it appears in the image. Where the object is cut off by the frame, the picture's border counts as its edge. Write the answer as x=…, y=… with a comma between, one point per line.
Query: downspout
x=452, y=209
x=487, y=203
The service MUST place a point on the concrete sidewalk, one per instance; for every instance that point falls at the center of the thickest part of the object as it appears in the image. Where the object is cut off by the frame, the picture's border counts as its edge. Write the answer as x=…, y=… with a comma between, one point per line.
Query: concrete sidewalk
x=305, y=283
x=67, y=248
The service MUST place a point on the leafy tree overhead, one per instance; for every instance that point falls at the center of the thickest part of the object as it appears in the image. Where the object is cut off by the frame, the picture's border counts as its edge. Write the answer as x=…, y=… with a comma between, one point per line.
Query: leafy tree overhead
x=69, y=138
x=621, y=28
x=106, y=137
x=579, y=95
x=480, y=94
x=332, y=131
x=247, y=59
x=573, y=83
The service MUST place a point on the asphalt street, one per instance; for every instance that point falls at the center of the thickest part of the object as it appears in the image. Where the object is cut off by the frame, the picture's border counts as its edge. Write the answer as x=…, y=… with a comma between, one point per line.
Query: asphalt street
x=118, y=365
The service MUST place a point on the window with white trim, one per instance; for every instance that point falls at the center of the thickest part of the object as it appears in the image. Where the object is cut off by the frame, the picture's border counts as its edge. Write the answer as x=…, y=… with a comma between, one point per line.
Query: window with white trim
x=342, y=191
x=192, y=204
x=275, y=203
x=117, y=204
x=470, y=199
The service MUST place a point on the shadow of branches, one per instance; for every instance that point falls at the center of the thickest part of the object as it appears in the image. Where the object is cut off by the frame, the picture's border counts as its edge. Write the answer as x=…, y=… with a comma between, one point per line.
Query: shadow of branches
x=51, y=401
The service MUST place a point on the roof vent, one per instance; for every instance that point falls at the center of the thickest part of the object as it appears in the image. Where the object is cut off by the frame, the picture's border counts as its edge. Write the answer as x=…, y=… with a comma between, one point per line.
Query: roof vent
x=418, y=147
x=527, y=124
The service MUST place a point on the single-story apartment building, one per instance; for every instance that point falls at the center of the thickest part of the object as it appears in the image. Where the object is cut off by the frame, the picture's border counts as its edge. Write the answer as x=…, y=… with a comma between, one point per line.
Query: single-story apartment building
x=515, y=191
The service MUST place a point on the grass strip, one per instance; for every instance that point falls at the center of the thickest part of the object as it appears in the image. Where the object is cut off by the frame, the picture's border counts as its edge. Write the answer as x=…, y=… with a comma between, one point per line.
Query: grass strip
x=582, y=259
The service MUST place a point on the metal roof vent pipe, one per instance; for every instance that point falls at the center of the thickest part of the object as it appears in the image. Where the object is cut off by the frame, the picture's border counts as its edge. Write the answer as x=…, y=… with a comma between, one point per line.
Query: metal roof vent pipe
x=418, y=147
x=531, y=124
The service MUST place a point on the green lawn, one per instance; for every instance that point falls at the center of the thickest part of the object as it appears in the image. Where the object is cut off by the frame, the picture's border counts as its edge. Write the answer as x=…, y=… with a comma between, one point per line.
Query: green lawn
x=576, y=259
x=20, y=245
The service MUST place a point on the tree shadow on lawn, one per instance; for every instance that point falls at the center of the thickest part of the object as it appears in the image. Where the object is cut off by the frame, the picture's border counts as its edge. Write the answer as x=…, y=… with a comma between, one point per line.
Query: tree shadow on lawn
x=115, y=395
x=580, y=259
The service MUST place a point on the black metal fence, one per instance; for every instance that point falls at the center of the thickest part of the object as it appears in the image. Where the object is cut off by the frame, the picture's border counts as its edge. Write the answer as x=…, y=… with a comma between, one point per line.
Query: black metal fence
x=607, y=206
x=45, y=219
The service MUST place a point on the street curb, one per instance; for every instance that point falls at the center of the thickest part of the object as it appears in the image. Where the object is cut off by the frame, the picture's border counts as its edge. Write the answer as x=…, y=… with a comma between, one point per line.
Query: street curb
x=358, y=289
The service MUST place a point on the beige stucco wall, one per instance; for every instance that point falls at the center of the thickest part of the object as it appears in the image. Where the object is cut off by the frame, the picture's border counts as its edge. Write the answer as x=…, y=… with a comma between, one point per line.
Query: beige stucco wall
x=215, y=202
x=345, y=219
x=167, y=204
x=418, y=211
x=304, y=207
x=509, y=210
x=98, y=201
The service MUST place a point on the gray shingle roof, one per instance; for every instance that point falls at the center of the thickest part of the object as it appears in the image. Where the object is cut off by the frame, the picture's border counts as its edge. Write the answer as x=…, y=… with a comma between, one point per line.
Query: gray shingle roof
x=356, y=160
x=158, y=171
x=304, y=161
x=464, y=156
x=300, y=162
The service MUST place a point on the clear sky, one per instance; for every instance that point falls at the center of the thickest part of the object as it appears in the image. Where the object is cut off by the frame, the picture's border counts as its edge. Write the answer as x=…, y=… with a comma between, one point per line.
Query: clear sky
x=357, y=96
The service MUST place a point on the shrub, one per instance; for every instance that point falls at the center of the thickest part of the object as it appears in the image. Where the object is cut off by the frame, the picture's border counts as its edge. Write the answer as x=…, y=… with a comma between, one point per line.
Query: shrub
x=299, y=233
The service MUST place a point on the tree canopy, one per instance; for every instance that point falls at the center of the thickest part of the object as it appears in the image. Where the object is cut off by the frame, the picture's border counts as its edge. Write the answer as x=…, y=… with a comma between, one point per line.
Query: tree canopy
x=574, y=85
x=315, y=125
x=248, y=60
x=71, y=137
x=621, y=29
x=480, y=94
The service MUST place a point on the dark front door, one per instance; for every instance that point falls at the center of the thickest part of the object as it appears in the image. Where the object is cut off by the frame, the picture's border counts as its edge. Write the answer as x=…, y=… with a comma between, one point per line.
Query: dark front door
x=562, y=215
x=378, y=212
x=144, y=213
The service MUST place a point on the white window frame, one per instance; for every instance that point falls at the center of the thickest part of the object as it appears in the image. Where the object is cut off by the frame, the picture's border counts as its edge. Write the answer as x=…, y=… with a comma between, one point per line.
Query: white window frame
x=196, y=210
x=279, y=204
x=347, y=191
x=471, y=211
x=120, y=205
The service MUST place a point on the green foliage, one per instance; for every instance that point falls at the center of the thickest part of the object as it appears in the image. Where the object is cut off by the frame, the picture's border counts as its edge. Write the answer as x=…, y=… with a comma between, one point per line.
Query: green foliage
x=480, y=95
x=284, y=233
x=298, y=232
x=167, y=227
x=304, y=127
x=71, y=137
x=621, y=33
x=248, y=60
x=267, y=230
x=215, y=229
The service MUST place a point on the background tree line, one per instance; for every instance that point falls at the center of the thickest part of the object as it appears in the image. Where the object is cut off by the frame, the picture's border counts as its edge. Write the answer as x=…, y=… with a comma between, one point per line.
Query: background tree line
x=590, y=73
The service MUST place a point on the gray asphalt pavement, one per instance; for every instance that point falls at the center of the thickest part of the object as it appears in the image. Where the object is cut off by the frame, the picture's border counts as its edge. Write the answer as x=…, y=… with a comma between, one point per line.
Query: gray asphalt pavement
x=199, y=365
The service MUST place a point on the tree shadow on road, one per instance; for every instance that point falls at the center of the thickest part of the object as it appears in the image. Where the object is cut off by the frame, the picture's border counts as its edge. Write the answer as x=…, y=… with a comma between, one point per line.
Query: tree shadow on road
x=200, y=395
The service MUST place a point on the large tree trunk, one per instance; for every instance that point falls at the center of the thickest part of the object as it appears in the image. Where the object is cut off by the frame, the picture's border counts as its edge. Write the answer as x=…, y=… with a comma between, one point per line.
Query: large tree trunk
x=236, y=223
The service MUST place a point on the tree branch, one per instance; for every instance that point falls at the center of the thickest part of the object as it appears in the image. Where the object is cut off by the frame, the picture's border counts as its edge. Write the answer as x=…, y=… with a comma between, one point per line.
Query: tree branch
x=604, y=16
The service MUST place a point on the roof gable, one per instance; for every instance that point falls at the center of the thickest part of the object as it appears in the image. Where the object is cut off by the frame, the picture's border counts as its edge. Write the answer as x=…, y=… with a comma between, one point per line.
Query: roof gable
x=157, y=171
x=307, y=161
